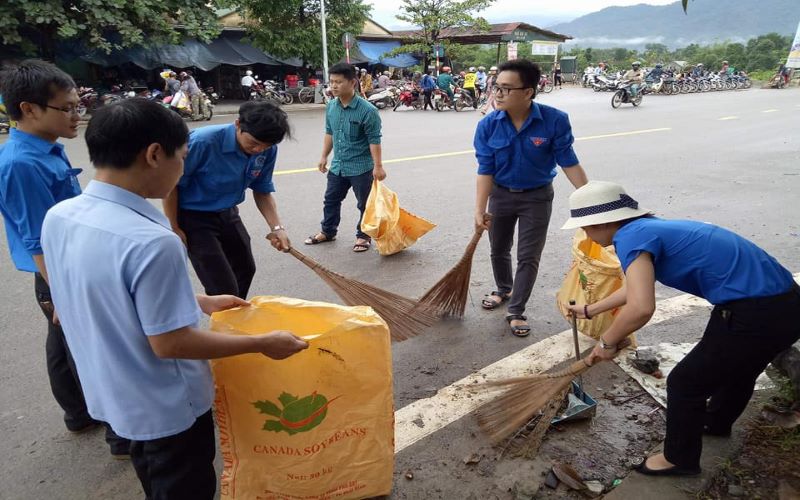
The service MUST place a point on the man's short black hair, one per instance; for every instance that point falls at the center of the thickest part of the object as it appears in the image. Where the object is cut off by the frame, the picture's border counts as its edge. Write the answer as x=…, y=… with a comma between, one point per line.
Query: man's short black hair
x=529, y=73
x=118, y=132
x=32, y=81
x=265, y=121
x=344, y=69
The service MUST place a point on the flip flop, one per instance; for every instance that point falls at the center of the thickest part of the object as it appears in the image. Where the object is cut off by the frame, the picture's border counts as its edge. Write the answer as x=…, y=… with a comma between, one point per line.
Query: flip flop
x=362, y=247
x=519, y=330
x=313, y=240
x=490, y=304
x=675, y=470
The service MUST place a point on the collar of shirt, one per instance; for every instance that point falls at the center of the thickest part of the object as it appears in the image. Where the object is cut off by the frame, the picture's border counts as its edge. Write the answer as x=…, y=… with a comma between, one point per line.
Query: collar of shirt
x=37, y=142
x=535, y=114
x=120, y=196
x=353, y=104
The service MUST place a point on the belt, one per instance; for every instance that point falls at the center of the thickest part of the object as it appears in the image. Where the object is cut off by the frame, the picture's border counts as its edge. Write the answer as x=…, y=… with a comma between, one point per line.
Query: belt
x=515, y=190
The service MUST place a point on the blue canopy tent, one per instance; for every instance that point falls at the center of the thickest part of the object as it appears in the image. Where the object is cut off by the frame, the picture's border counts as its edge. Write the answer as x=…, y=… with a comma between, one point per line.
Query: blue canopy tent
x=373, y=52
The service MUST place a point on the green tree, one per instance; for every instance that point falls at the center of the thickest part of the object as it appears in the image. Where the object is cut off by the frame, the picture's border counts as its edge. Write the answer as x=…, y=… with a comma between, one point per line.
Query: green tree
x=292, y=28
x=433, y=17
x=36, y=26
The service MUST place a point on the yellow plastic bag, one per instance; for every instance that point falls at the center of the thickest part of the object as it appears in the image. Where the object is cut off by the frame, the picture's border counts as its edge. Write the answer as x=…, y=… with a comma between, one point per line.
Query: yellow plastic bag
x=392, y=228
x=317, y=425
x=595, y=274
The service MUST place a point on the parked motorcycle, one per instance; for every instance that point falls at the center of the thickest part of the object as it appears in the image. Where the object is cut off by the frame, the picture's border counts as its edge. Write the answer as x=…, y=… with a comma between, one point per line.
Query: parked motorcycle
x=545, y=85
x=410, y=98
x=207, y=108
x=384, y=98
x=624, y=96
x=212, y=94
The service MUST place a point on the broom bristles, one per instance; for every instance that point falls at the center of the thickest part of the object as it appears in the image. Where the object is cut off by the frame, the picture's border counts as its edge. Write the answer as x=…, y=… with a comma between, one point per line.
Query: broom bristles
x=521, y=399
x=406, y=317
x=449, y=295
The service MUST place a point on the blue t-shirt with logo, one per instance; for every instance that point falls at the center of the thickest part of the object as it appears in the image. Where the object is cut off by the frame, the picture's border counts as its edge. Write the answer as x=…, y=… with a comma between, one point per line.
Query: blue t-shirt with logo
x=702, y=259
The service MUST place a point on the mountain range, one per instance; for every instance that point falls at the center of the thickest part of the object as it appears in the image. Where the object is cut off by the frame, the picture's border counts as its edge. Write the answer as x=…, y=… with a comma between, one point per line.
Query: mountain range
x=707, y=21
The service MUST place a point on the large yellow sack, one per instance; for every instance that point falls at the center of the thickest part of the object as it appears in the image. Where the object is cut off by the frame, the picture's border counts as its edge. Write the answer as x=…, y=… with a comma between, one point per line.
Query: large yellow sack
x=392, y=228
x=595, y=274
x=317, y=425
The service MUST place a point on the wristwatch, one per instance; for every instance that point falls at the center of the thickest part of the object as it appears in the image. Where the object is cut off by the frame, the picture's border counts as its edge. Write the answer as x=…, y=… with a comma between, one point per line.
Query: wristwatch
x=278, y=228
x=603, y=345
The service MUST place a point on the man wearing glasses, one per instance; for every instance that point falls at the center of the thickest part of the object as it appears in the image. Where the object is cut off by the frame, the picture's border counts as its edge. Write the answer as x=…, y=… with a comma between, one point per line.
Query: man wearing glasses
x=35, y=174
x=518, y=147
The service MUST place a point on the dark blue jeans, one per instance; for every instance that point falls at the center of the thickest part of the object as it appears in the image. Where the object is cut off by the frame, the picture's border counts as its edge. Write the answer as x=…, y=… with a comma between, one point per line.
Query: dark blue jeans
x=338, y=186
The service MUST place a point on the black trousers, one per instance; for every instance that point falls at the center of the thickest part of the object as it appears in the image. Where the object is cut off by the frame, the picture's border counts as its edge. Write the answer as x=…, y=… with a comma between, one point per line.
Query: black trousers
x=63, y=375
x=219, y=248
x=428, y=102
x=531, y=212
x=712, y=385
x=178, y=467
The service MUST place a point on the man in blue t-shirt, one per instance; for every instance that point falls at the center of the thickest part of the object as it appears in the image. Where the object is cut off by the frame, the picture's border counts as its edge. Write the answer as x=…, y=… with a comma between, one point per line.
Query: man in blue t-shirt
x=751, y=293
x=223, y=162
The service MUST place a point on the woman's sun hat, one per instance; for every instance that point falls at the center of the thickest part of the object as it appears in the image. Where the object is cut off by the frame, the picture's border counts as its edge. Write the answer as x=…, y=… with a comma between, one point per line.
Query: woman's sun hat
x=600, y=202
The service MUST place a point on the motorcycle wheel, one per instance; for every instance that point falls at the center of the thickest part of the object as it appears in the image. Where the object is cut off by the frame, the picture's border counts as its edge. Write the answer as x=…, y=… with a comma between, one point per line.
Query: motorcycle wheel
x=636, y=100
x=389, y=102
x=306, y=95
x=397, y=105
x=596, y=88
x=459, y=104
x=438, y=105
x=548, y=87
x=617, y=99
x=209, y=113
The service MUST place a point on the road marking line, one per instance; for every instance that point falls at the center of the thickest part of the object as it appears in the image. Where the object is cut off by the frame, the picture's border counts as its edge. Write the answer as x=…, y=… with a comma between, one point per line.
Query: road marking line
x=472, y=151
x=724, y=118
x=424, y=417
x=769, y=110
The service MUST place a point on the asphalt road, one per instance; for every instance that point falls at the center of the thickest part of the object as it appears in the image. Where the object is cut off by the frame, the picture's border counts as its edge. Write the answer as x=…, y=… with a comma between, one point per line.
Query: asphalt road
x=731, y=158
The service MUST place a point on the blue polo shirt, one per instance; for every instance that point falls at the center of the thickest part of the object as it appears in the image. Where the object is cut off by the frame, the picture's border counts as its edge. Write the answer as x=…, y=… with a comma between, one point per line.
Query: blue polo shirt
x=119, y=275
x=524, y=159
x=34, y=175
x=703, y=259
x=217, y=173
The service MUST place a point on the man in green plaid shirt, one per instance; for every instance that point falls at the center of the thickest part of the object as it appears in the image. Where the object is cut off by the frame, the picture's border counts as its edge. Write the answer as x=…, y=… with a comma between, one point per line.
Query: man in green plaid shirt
x=353, y=132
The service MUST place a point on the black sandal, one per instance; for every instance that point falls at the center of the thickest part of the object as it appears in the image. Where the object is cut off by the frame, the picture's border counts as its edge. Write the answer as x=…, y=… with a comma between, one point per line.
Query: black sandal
x=362, y=247
x=519, y=330
x=675, y=470
x=313, y=240
x=490, y=304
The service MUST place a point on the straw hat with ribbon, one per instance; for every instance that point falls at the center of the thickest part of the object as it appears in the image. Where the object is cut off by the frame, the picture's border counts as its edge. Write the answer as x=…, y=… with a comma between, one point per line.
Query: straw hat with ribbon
x=600, y=202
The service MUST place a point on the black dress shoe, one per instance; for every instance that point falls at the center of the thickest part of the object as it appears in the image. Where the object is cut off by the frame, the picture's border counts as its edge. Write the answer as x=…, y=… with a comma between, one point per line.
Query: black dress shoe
x=675, y=470
x=710, y=431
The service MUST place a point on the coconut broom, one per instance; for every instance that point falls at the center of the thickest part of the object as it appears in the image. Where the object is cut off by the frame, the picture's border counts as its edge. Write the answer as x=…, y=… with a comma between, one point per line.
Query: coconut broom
x=523, y=397
x=449, y=295
x=406, y=317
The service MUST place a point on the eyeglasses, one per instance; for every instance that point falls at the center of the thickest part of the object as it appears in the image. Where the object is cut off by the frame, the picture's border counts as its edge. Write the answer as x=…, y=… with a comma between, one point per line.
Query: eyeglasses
x=507, y=90
x=70, y=110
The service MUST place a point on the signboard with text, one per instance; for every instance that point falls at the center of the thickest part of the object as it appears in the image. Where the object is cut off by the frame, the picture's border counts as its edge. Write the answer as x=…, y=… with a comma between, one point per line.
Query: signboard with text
x=794, y=53
x=544, y=48
x=512, y=51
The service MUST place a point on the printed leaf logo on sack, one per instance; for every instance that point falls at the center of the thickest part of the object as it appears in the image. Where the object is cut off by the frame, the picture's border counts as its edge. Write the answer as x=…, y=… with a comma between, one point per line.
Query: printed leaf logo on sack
x=298, y=414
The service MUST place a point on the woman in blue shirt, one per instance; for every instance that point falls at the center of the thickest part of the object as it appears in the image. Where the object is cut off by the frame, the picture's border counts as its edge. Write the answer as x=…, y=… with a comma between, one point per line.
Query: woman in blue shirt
x=751, y=293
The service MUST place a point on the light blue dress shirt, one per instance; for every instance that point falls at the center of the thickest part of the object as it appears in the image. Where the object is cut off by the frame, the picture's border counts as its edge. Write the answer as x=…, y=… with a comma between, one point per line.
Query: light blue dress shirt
x=119, y=275
x=217, y=173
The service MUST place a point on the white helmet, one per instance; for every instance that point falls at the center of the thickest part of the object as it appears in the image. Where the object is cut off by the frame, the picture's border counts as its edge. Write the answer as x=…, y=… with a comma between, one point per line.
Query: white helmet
x=493, y=68
x=472, y=69
x=481, y=68
x=248, y=73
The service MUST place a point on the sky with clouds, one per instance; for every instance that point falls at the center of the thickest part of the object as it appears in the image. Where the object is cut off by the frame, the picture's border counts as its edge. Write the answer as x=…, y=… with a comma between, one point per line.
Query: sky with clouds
x=538, y=12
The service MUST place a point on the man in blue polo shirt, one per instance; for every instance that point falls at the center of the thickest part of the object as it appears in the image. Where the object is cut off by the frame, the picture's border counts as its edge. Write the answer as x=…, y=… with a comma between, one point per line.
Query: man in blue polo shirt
x=754, y=317
x=223, y=161
x=35, y=174
x=122, y=288
x=518, y=147
x=353, y=132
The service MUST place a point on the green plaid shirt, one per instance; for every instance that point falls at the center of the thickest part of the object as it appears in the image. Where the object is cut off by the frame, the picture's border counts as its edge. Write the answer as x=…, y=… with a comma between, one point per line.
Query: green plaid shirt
x=353, y=128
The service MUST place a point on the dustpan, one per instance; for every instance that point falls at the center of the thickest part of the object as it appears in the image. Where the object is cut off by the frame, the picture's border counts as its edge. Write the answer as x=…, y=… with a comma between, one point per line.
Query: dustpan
x=580, y=405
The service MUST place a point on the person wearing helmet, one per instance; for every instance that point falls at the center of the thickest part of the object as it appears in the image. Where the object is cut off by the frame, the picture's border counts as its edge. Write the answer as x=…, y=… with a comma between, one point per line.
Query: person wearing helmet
x=636, y=75
x=247, y=84
x=445, y=82
x=189, y=87
x=366, y=82
x=724, y=69
x=480, y=81
x=470, y=80
x=171, y=83
x=383, y=80
x=656, y=73
x=698, y=71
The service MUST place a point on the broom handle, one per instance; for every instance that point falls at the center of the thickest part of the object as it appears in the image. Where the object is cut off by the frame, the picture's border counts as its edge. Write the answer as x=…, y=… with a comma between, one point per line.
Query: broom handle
x=575, y=333
x=313, y=264
x=476, y=237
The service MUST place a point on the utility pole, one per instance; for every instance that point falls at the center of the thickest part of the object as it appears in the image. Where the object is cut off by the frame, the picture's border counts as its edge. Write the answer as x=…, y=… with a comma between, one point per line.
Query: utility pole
x=324, y=43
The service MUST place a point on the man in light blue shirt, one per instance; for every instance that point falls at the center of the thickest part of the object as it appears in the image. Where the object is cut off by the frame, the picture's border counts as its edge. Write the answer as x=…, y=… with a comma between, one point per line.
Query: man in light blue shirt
x=122, y=289
x=35, y=174
x=223, y=162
